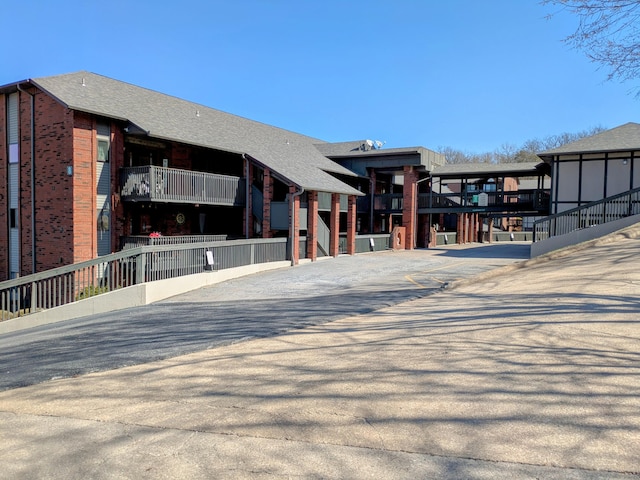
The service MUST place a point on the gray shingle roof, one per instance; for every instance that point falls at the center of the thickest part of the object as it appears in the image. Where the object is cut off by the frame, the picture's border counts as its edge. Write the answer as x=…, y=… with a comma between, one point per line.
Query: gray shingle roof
x=470, y=169
x=290, y=154
x=624, y=137
x=359, y=148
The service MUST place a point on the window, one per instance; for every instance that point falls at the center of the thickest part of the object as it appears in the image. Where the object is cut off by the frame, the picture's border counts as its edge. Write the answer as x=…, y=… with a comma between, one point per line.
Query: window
x=13, y=218
x=103, y=150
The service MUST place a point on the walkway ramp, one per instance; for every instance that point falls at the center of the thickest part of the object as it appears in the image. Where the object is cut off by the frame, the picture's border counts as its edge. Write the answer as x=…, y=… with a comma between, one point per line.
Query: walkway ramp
x=587, y=222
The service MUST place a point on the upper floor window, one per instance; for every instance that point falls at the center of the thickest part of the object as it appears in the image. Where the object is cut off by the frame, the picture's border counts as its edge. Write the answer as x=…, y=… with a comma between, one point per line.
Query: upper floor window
x=104, y=132
x=103, y=150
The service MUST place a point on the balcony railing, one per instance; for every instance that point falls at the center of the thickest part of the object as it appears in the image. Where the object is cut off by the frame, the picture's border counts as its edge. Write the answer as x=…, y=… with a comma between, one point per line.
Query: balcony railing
x=536, y=200
x=133, y=241
x=159, y=184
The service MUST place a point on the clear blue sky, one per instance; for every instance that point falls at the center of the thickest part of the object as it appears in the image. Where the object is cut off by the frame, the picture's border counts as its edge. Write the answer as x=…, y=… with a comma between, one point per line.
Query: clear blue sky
x=468, y=74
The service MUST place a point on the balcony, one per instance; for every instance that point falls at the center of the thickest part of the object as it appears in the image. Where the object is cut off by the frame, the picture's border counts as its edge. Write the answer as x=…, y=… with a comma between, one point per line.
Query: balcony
x=171, y=185
x=511, y=201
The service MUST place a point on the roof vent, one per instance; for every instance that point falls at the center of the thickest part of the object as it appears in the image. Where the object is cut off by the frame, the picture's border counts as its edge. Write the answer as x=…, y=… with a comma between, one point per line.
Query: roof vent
x=197, y=113
x=83, y=82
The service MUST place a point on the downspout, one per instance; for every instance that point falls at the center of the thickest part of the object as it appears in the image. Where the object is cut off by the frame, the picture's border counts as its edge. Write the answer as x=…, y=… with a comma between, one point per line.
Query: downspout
x=291, y=228
x=33, y=180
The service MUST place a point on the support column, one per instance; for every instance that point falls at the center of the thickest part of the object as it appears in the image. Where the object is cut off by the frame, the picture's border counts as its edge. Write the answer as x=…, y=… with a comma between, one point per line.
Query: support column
x=312, y=227
x=474, y=228
x=460, y=229
x=294, y=224
x=334, y=227
x=490, y=229
x=267, y=196
x=410, y=206
x=351, y=225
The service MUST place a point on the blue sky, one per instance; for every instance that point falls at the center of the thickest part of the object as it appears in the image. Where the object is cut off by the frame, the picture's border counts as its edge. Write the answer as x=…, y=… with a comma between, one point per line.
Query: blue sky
x=468, y=74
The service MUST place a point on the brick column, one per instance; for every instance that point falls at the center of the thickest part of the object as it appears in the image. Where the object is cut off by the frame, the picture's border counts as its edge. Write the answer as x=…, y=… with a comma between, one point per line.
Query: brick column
x=294, y=222
x=334, y=227
x=267, y=196
x=459, y=229
x=409, y=206
x=351, y=225
x=312, y=227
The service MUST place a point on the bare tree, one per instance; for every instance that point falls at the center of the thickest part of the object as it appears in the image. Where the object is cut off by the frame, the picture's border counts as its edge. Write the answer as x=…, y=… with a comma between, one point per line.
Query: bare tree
x=608, y=32
x=508, y=153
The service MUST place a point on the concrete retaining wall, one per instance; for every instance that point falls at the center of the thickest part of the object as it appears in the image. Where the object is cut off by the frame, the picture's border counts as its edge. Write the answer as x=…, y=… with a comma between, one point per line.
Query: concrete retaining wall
x=134, y=296
x=581, y=236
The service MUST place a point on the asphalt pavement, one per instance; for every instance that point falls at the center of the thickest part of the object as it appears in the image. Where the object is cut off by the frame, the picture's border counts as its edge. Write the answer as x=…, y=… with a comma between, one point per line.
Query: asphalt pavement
x=505, y=368
x=255, y=306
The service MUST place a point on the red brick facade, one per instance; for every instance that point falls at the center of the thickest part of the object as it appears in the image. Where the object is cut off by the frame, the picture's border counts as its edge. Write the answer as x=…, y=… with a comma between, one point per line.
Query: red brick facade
x=63, y=191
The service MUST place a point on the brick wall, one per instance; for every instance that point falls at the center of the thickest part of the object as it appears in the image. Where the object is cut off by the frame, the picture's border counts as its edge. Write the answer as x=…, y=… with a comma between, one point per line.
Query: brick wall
x=25, y=202
x=53, y=187
x=84, y=191
x=118, y=221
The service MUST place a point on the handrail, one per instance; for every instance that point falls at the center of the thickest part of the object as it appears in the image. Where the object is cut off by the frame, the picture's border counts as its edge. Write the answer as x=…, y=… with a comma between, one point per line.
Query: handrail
x=136, y=265
x=585, y=216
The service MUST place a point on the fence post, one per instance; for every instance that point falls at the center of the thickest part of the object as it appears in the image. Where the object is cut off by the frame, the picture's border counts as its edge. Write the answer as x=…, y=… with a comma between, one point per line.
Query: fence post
x=34, y=295
x=141, y=267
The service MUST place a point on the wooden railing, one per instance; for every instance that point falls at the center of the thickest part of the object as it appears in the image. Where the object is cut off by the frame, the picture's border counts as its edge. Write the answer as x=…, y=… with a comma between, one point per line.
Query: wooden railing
x=159, y=184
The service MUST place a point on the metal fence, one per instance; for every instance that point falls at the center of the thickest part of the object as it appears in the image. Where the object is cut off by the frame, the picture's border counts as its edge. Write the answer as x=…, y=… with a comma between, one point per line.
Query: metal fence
x=133, y=266
x=595, y=213
x=146, y=263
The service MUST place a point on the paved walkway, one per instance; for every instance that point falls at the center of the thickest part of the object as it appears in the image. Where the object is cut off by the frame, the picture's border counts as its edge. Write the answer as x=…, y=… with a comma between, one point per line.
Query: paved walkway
x=531, y=371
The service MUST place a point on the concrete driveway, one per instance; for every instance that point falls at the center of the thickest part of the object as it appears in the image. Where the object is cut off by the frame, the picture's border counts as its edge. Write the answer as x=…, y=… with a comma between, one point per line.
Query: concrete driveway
x=530, y=371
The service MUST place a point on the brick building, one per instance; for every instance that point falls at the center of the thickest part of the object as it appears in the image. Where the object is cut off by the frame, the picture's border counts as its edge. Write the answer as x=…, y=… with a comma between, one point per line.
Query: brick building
x=90, y=165
x=87, y=162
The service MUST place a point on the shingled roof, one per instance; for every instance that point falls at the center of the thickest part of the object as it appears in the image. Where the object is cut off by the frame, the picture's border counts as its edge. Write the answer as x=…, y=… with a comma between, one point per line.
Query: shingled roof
x=291, y=155
x=459, y=170
x=623, y=138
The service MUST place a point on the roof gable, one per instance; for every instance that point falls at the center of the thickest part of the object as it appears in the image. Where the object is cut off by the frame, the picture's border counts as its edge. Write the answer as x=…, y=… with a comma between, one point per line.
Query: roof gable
x=624, y=137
